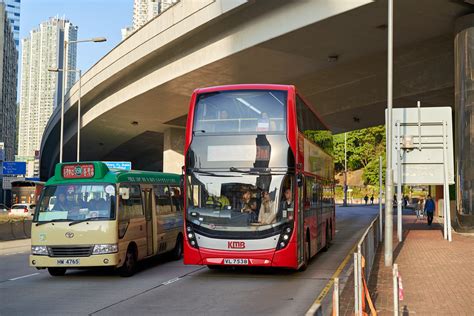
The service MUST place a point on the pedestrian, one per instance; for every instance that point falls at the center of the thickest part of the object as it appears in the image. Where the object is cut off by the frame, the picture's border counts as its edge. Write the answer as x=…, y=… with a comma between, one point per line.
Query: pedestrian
x=372, y=199
x=419, y=209
x=366, y=199
x=429, y=209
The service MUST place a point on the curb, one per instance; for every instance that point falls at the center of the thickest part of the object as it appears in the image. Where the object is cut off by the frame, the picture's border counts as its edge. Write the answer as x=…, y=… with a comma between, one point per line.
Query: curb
x=13, y=230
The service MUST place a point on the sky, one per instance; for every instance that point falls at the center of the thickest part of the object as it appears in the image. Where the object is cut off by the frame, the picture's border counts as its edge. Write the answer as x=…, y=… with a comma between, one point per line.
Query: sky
x=95, y=18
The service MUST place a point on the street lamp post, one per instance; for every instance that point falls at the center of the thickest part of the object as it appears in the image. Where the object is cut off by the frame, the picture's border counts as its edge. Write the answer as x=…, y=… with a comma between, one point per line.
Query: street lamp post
x=78, y=106
x=65, y=71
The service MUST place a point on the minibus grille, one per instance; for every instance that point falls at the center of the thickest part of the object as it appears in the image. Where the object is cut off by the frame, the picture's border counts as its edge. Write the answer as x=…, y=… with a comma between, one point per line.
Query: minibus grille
x=74, y=251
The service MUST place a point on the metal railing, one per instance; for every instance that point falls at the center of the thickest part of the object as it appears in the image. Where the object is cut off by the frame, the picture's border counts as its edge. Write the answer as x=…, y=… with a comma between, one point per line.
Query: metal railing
x=363, y=262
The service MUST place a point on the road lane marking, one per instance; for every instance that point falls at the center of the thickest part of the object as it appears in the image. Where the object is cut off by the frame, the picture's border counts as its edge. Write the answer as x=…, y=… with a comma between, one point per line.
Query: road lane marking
x=146, y=291
x=171, y=281
x=23, y=276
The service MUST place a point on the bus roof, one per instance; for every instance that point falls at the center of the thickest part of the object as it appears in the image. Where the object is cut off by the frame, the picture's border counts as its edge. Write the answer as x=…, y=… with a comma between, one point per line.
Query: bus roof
x=251, y=86
x=96, y=171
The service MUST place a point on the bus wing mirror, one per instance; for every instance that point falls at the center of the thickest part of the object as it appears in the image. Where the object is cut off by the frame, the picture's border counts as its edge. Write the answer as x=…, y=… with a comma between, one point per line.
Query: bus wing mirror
x=124, y=193
x=299, y=180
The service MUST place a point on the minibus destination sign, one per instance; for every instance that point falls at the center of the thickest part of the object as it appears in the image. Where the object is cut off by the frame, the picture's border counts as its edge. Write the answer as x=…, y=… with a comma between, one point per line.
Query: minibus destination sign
x=79, y=171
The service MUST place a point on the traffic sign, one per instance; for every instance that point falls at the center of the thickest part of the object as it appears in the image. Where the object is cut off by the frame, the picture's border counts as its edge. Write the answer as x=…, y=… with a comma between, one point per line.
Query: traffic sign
x=13, y=167
x=7, y=182
x=126, y=165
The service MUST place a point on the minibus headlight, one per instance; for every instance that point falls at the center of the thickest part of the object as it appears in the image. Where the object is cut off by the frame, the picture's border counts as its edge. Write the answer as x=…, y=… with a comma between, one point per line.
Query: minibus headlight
x=39, y=250
x=102, y=249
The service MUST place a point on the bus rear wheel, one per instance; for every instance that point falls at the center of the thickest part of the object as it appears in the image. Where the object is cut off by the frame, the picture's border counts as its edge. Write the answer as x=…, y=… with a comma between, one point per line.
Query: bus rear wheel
x=129, y=266
x=328, y=239
x=57, y=271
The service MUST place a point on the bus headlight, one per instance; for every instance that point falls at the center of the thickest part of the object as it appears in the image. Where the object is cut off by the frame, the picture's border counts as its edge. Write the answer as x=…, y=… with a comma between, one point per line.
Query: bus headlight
x=39, y=250
x=191, y=237
x=103, y=249
x=285, y=236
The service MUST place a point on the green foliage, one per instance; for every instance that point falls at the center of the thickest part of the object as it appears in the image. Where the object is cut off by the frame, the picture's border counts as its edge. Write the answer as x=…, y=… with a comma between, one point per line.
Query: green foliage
x=364, y=147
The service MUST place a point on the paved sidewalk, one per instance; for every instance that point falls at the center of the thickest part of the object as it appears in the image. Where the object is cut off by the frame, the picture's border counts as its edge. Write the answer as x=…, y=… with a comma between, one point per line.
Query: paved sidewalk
x=437, y=276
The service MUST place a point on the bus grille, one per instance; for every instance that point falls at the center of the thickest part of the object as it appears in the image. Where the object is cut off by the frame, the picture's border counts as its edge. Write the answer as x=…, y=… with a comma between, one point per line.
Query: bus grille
x=80, y=251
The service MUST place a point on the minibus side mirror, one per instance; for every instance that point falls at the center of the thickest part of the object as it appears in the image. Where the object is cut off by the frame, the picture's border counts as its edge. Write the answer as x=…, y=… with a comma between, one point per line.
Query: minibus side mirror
x=124, y=193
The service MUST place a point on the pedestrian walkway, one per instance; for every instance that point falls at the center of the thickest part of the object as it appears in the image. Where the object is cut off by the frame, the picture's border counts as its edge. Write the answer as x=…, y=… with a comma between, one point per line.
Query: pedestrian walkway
x=437, y=276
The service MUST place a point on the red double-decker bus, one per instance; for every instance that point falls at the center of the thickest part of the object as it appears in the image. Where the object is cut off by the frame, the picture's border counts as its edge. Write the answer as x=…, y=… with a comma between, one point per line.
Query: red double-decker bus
x=259, y=178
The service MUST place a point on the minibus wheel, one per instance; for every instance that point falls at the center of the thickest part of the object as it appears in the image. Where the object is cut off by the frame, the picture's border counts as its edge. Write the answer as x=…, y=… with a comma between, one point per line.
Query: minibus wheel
x=57, y=271
x=178, y=248
x=128, y=267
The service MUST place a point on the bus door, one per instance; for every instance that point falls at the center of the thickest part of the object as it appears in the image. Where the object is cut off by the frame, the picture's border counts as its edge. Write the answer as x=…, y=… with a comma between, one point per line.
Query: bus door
x=301, y=231
x=148, y=207
x=317, y=190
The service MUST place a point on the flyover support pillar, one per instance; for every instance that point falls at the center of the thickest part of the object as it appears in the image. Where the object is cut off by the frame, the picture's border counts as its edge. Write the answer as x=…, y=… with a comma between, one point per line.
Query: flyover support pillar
x=173, y=147
x=464, y=119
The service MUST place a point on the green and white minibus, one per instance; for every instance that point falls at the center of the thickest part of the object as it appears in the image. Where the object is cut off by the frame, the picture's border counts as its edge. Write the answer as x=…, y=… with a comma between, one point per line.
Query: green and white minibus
x=91, y=216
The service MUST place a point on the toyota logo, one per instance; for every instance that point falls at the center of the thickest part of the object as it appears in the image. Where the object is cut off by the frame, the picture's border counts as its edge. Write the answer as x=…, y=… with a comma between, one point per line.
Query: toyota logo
x=69, y=234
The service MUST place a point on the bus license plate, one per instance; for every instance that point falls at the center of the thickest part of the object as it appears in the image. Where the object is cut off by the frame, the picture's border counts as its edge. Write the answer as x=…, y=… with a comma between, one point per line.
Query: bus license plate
x=236, y=261
x=68, y=261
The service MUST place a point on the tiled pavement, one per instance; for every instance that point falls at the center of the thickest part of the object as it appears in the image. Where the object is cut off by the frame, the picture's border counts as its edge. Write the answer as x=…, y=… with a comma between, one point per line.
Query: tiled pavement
x=437, y=276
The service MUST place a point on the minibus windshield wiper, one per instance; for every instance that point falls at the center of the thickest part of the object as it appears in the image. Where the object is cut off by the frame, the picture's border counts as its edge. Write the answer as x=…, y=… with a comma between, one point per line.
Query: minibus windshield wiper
x=53, y=220
x=89, y=219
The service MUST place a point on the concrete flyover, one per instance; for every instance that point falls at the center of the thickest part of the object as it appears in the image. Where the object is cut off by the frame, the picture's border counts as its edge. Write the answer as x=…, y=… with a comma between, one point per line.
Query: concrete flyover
x=135, y=99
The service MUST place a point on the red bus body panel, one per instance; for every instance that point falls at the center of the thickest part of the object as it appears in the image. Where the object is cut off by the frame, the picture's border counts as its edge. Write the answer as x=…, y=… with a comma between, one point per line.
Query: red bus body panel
x=287, y=257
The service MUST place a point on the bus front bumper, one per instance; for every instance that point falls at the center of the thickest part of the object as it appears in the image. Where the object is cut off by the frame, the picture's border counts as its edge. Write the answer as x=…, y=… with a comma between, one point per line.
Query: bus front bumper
x=105, y=260
x=260, y=258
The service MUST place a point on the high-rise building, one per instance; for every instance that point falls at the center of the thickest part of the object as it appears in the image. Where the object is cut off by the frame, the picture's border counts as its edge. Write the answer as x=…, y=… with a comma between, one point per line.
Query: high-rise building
x=8, y=84
x=41, y=90
x=144, y=11
x=13, y=13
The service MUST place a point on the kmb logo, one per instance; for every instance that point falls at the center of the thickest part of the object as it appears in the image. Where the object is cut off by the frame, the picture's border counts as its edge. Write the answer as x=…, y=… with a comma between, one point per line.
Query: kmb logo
x=236, y=244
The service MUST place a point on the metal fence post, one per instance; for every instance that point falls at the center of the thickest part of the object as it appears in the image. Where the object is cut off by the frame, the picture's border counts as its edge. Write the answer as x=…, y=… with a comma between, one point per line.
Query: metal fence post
x=359, y=275
x=336, y=297
x=395, y=289
x=356, y=284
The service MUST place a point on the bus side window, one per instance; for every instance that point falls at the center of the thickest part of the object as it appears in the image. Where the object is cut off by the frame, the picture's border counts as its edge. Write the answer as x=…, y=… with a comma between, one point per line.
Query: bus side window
x=132, y=207
x=162, y=199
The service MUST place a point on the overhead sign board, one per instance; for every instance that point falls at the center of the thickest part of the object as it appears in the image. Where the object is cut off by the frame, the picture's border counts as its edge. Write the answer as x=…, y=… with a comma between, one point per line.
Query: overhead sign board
x=7, y=182
x=13, y=168
x=126, y=165
x=422, y=134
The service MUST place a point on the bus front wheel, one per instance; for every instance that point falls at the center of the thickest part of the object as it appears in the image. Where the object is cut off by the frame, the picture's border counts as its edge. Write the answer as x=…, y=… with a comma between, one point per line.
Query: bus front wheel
x=128, y=267
x=57, y=271
x=306, y=254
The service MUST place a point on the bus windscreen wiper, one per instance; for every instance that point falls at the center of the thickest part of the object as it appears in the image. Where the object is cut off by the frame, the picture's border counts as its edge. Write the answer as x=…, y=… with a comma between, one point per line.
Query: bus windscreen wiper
x=256, y=171
x=208, y=173
x=89, y=219
x=53, y=221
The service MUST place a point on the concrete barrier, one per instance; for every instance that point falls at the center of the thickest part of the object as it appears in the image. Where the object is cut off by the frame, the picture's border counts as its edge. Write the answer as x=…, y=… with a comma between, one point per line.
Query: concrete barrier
x=12, y=230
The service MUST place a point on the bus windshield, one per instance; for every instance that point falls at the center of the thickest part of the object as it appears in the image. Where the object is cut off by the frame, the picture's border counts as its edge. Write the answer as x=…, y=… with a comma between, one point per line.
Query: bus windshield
x=241, y=111
x=232, y=201
x=71, y=202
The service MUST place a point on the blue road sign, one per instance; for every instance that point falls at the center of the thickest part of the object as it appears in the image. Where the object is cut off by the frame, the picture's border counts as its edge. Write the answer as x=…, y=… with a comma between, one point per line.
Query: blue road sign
x=126, y=165
x=13, y=167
